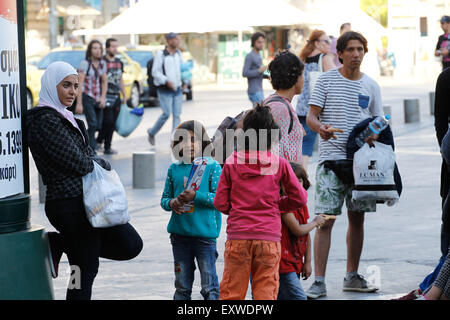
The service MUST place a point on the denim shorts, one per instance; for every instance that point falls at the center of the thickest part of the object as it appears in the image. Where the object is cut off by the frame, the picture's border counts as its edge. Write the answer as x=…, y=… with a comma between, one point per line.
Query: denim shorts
x=256, y=97
x=309, y=139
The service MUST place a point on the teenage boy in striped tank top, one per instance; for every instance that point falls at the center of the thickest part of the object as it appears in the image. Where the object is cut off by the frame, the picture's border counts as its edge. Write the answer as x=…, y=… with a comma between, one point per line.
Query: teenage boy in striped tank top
x=342, y=98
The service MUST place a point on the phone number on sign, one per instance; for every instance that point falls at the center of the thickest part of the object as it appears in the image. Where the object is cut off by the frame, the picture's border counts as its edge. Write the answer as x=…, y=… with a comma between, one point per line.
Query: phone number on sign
x=10, y=142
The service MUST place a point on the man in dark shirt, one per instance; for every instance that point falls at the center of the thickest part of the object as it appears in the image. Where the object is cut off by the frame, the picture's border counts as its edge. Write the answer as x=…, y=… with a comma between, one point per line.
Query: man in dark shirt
x=443, y=45
x=254, y=69
x=441, y=118
x=114, y=71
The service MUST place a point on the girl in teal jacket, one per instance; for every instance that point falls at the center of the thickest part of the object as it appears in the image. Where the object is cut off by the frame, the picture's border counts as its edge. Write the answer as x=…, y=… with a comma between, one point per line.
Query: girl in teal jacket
x=193, y=234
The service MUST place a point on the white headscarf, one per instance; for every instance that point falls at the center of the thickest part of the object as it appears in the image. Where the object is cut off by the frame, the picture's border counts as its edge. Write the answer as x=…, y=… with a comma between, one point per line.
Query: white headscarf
x=48, y=96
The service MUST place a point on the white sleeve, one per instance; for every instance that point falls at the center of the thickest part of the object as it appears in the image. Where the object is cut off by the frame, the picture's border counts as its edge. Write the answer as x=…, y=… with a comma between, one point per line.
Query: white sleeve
x=157, y=70
x=376, y=108
x=319, y=94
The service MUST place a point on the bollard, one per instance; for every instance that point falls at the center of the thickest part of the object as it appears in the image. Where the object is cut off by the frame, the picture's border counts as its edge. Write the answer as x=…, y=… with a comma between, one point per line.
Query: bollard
x=432, y=99
x=388, y=110
x=42, y=190
x=412, y=110
x=143, y=170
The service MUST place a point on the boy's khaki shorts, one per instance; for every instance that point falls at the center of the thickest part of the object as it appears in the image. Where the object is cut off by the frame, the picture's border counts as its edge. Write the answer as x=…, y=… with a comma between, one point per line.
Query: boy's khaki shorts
x=331, y=193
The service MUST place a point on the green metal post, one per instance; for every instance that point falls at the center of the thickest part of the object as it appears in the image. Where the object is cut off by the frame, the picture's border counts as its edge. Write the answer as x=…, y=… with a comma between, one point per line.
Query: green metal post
x=24, y=261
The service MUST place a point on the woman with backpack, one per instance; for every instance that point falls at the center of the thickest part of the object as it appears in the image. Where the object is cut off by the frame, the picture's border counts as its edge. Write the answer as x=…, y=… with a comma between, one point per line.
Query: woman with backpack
x=317, y=58
x=93, y=86
x=286, y=75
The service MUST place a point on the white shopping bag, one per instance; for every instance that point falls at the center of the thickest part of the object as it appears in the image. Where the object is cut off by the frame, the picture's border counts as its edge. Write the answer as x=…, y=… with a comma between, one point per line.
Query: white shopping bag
x=104, y=198
x=373, y=170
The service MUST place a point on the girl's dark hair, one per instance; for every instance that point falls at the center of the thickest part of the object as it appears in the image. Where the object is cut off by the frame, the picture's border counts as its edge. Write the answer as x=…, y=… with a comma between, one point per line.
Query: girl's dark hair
x=89, y=48
x=301, y=173
x=343, y=41
x=199, y=134
x=256, y=36
x=285, y=69
x=261, y=120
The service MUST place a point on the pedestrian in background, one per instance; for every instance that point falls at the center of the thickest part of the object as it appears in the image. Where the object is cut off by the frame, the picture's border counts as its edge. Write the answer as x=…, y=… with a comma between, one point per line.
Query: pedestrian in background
x=249, y=194
x=60, y=148
x=345, y=27
x=193, y=234
x=254, y=69
x=114, y=72
x=166, y=73
x=443, y=44
x=340, y=100
x=286, y=76
x=317, y=49
x=93, y=86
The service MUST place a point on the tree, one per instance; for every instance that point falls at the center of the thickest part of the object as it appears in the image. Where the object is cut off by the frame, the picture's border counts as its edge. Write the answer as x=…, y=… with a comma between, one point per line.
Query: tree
x=377, y=9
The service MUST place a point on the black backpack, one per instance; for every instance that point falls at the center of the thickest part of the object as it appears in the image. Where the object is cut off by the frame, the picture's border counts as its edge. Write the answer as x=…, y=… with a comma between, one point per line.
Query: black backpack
x=219, y=140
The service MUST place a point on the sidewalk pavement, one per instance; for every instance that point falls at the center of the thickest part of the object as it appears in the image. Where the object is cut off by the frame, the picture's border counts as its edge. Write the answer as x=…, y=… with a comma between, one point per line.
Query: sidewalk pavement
x=401, y=243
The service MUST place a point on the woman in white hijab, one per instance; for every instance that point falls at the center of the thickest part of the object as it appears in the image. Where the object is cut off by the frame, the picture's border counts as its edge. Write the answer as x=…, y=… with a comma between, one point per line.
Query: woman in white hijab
x=60, y=148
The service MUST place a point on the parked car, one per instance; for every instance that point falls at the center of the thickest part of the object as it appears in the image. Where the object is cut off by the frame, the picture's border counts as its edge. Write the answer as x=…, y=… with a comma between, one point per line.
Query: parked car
x=143, y=55
x=132, y=75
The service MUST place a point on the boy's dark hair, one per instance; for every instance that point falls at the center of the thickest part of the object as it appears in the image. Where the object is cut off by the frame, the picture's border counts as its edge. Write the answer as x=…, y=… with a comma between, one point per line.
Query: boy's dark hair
x=89, y=48
x=301, y=173
x=108, y=42
x=261, y=120
x=256, y=36
x=343, y=40
x=285, y=69
x=199, y=134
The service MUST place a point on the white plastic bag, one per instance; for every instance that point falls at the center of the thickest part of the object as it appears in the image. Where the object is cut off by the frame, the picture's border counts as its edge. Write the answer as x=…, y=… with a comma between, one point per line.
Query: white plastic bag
x=373, y=169
x=104, y=198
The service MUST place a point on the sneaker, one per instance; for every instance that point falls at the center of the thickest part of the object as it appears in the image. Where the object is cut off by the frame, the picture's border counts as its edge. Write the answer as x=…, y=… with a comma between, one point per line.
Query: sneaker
x=357, y=284
x=317, y=290
x=413, y=295
x=151, y=139
x=55, y=252
x=110, y=151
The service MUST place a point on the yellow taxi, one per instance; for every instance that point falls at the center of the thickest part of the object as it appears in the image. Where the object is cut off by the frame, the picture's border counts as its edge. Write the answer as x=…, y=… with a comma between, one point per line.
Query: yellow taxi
x=132, y=76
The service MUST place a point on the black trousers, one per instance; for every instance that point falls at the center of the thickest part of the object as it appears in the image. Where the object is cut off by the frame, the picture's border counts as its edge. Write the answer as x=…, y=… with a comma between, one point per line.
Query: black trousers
x=106, y=132
x=84, y=245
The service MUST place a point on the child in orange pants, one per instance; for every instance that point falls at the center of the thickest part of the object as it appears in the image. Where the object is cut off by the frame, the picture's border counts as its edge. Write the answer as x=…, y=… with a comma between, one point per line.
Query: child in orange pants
x=249, y=193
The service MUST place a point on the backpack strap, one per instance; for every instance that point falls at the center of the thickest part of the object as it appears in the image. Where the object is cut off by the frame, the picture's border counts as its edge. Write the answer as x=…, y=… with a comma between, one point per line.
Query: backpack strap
x=165, y=54
x=277, y=98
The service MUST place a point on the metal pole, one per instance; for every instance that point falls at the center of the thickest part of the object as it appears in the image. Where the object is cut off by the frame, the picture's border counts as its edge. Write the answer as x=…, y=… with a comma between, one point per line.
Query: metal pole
x=412, y=110
x=143, y=170
x=53, y=24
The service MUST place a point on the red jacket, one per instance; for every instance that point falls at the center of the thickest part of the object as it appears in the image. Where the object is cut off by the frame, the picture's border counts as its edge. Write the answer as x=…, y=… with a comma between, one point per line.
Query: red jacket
x=293, y=248
x=249, y=193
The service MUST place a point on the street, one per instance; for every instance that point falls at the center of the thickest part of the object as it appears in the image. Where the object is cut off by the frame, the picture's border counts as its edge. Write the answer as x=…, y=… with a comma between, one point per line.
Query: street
x=401, y=243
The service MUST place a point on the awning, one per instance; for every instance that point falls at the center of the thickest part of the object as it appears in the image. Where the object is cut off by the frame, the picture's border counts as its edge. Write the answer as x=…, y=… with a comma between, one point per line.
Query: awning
x=199, y=16
x=329, y=18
